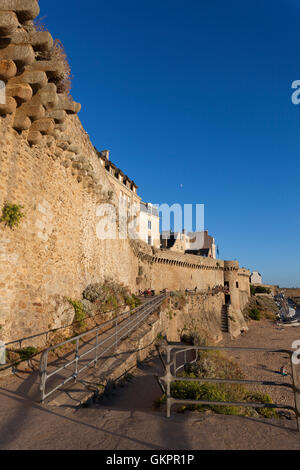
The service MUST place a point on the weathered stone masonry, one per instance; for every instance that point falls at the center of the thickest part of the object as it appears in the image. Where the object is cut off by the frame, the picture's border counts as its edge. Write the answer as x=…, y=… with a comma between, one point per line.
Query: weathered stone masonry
x=49, y=166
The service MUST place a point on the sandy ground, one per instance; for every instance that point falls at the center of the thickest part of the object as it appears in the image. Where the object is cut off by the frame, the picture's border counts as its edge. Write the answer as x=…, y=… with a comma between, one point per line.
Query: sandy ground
x=126, y=419
x=266, y=366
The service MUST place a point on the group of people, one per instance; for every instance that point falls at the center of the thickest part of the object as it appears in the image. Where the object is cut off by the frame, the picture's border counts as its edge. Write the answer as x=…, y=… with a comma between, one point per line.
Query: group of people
x=146, y=293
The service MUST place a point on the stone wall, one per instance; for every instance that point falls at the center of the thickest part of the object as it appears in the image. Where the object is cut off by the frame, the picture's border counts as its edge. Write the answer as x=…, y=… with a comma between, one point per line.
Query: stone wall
x=49, y=166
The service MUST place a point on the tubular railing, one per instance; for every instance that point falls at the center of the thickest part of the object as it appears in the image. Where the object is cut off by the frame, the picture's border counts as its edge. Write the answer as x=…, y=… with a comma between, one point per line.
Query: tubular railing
x=118, y=331
x=173, y=366
x=55, y=330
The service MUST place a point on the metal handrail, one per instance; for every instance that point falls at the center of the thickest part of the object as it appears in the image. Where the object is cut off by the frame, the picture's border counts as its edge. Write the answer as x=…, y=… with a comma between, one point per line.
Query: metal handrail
x=55, y=330
x=168, y=378
x=119, y=332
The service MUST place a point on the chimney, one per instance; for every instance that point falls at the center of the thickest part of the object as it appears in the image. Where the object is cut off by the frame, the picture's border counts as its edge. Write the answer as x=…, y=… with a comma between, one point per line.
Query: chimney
x=105, y=154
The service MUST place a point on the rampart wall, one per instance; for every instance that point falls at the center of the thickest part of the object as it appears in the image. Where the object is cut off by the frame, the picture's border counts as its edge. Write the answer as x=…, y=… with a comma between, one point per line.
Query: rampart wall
x=49, y=166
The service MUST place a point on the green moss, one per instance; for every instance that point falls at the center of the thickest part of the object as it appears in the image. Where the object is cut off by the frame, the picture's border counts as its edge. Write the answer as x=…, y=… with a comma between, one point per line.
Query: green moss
x=262, y=398
x=11, y=214
x=255, y=314
x=259, y=290
x=132, y=301
x=79, y=312
x=26, y=353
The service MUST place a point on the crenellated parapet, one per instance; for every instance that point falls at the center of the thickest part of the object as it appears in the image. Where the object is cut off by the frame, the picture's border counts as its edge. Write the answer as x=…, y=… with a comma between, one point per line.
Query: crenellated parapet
x=152, y=255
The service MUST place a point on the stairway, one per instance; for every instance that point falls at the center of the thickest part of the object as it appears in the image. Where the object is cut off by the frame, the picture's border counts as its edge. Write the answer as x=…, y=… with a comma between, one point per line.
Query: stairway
x=224, y=319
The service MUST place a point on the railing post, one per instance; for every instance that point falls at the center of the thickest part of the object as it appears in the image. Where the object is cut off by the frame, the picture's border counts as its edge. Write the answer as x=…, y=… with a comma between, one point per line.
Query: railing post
x=96, y=350
x=76, y=360
x=116, y=337
x=168, y=380
x=293, y=369
x=43, y=375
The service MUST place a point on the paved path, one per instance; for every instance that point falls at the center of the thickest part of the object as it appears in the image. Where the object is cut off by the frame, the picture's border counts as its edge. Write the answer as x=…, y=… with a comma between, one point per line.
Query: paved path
x=127, y=420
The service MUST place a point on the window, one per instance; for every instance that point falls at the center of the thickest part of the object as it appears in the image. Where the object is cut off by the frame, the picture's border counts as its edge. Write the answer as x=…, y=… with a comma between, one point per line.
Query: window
x=149, y=225
x=237, y=285
x=149, y=240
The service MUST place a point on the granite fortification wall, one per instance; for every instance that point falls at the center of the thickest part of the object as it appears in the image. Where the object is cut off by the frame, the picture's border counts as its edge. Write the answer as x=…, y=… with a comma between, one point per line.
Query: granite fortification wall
x=49, y=166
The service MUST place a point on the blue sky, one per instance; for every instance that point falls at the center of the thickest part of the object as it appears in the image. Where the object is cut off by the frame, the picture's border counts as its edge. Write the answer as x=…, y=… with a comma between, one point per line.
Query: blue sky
x=198, y=93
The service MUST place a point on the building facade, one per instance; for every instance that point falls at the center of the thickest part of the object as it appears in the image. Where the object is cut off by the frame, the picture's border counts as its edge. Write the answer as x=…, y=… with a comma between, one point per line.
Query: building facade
x=256, y=278
x=126, y=190
x=149, y=224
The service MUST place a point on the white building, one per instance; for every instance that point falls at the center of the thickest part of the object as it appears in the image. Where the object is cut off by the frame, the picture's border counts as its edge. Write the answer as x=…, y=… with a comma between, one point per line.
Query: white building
x=256, y=278
x=149, y=224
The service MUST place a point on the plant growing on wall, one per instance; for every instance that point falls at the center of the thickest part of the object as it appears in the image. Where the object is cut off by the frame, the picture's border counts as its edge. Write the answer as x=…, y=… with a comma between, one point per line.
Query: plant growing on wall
x=79, y=312
x=11, y=214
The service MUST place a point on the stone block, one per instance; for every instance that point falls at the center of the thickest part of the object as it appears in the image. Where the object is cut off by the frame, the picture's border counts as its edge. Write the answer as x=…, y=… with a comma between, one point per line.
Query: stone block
x=21, y=92
x=9, y=107
x=25, y=9
x=69, y=106
x=41, y=41
x=8, y=23
x=21, y=121
x=21, y=54
x=20, y=36
x=47, y=96
x=58, y=115
x=34, y=111
x=45, y=126
x=52, y=68
x=36, y=79
x=8, y=69
x=34, y=137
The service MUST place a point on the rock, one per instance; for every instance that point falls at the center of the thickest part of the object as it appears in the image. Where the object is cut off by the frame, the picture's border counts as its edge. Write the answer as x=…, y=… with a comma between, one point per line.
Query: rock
x=45, y=126
x=8, y=69
x=34, y=137
x=52, y=68
x=93, y=292
x=47, y=96
x=22, y=92
x=41, y=41
x=64, y=313
x=69, y=106
x=59, y=116
x=88, y=307
x=8, y=23
x=9, y=107
x=21, y=121
x=34, y=111
x=21, y=54
x=25, y=9
x=35, y=79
